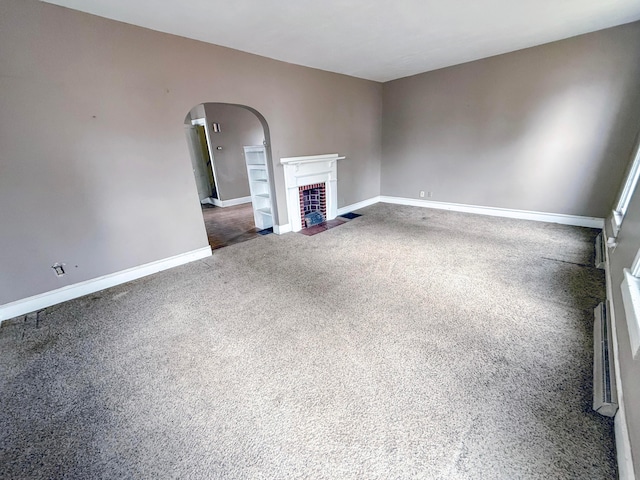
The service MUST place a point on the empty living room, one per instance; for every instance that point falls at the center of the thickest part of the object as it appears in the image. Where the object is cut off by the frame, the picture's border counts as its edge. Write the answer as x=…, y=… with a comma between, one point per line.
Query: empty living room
x=439, y=277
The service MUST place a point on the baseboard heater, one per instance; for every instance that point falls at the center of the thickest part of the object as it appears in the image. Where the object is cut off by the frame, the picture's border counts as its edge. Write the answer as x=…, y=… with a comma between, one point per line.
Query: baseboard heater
x=605, y=397
x=601, y=245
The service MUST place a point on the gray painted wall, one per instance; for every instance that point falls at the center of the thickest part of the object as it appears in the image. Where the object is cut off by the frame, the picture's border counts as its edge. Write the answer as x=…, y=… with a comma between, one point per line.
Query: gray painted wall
x=94, y=163
x=239, y=127
x=548, y=129
x=620, y=258
x=95, y=170
x=543, y=129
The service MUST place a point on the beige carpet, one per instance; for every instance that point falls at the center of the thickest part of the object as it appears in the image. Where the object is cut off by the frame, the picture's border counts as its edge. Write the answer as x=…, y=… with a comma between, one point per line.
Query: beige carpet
x=407, y=343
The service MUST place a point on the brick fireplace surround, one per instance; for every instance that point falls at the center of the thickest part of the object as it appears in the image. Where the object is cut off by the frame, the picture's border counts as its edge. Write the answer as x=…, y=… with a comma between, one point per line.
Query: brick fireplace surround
x=313, y=198
x=308, y=172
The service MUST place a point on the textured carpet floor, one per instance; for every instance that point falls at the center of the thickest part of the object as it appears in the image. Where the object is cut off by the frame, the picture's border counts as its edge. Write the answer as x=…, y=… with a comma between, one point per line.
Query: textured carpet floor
x=408, y=343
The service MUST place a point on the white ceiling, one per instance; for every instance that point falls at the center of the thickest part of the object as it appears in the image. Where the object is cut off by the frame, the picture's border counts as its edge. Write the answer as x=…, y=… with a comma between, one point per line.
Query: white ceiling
x=374, y=39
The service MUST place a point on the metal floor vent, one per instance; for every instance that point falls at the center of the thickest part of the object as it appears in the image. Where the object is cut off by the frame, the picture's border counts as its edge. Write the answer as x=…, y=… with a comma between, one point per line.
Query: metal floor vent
x=601, y=255
x=605, y=397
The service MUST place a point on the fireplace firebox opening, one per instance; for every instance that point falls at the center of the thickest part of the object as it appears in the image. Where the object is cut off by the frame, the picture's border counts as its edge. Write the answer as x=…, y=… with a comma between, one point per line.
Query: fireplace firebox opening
x=313, y=204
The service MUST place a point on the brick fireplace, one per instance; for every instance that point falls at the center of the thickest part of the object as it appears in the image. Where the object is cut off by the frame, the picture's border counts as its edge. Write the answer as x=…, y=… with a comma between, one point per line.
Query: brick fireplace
x=313, y=198
x=318, y=176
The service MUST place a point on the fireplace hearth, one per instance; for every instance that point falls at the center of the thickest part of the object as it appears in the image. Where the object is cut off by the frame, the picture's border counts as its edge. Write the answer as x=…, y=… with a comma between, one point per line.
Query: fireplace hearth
x=309, y=173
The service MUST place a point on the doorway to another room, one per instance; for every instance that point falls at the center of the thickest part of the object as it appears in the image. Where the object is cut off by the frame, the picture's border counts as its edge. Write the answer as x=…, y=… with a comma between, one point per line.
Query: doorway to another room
x=228, y=145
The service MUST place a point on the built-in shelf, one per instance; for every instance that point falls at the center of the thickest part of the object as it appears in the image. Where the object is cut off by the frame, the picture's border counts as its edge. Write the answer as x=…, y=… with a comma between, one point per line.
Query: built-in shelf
x=259, y=185
x=254, y=157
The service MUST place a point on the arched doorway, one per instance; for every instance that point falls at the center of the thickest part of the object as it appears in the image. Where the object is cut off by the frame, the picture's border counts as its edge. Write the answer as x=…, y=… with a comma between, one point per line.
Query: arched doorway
x=231, y=160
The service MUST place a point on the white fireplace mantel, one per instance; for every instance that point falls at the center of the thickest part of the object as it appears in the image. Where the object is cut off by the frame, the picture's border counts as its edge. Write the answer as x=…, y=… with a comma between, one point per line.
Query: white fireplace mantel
x=302, y=171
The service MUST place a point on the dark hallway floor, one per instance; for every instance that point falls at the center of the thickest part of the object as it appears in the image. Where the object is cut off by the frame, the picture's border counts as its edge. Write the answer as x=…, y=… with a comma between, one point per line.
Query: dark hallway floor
x=229, y=225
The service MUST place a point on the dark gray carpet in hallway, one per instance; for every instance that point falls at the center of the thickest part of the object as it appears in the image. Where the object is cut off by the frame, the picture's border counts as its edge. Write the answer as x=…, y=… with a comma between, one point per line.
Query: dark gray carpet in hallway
x=408, y=343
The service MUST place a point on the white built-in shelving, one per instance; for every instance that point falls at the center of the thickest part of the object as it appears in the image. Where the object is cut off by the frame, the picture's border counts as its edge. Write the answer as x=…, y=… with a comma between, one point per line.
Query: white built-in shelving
x=259, y=185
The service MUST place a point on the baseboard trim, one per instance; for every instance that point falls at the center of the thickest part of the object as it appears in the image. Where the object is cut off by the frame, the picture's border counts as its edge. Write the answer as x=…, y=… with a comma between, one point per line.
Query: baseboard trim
x=53, y=297
x=211, y=201
x=234, y=201
x=358, y=205
x=623, y=445
x=575, y=220
x=226, y=203
x=621, y=431
x=280, y=229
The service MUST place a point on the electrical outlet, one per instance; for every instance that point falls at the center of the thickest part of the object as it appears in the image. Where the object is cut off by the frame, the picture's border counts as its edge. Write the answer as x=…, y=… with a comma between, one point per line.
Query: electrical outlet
x=58, y=268
x=429, y=194
x=421, y=193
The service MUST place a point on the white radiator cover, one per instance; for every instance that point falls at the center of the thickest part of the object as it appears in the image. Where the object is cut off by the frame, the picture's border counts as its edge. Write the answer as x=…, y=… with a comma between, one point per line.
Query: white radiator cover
x=605, y=397
x=600, y=251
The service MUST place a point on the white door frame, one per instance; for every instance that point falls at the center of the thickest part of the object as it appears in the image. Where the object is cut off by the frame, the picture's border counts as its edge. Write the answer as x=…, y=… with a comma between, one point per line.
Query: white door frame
x=203, y=122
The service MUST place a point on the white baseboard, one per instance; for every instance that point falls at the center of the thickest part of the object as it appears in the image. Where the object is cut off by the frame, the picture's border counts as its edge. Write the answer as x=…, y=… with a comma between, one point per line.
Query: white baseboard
x=233, y=202
x=575, y=220
x=358, y=205
x=578, y=221
x=280, y=229
x=43, y=300
x=621, y=431
x=623, y=446
x=226, y=203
